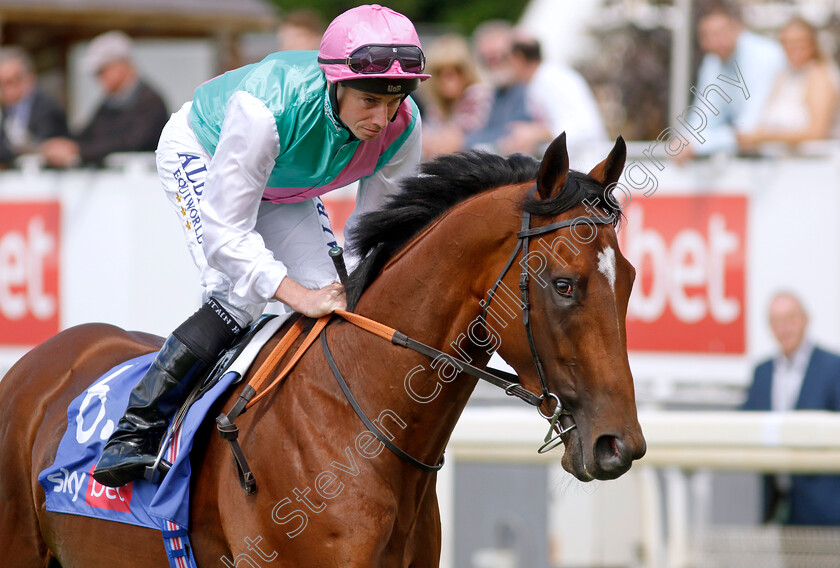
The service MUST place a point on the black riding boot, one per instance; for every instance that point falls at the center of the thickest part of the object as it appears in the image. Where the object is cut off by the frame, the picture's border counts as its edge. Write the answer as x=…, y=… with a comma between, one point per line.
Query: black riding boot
x=184, y=359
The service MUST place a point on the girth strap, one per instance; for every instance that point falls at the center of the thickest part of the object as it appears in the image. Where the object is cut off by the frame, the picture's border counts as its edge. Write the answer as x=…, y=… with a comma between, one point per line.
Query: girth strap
x=320, y=324
x=225, y=422
x=277, y=354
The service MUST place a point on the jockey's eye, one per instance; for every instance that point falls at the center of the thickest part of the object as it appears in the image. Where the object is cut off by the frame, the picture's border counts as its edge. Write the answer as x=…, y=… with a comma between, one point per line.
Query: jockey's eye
x=563, y=286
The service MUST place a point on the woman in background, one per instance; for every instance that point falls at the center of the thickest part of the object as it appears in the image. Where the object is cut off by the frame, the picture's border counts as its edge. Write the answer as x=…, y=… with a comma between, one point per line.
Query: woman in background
x=803, y=103
x=456, y=101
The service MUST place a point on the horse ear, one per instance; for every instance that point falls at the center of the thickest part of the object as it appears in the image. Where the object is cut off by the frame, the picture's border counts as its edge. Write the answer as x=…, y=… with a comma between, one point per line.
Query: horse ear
x=608, y=171
x=554, y=168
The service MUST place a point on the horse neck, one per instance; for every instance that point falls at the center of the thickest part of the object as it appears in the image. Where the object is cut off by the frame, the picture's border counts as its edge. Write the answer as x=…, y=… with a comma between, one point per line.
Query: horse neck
x=431, y=291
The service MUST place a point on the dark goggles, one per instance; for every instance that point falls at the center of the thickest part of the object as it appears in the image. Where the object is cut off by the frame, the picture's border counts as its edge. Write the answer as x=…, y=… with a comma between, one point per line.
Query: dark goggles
x=371, y=59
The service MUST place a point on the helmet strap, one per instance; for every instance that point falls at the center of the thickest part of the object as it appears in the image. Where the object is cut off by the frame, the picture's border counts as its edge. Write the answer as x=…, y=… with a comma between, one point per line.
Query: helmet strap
x=332, y=91
x=393, y=118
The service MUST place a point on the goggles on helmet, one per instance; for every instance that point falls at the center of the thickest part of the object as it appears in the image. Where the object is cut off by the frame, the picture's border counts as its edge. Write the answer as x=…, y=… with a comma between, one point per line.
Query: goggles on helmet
x=378, y=58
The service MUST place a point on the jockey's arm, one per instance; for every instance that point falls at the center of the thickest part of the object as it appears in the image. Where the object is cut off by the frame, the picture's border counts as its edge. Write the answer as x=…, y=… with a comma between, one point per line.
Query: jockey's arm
x=236, y=179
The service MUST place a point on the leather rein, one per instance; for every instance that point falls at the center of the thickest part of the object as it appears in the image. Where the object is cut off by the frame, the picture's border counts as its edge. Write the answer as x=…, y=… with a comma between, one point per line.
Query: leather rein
x=509, y=382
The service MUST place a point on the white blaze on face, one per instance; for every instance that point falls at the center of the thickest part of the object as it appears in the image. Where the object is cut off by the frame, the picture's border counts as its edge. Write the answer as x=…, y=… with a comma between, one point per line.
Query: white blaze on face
x=606, y=265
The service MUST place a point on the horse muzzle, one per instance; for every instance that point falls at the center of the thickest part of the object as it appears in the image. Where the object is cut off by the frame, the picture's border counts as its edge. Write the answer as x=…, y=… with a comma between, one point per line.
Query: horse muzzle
x=609, y=457
x=613, y=455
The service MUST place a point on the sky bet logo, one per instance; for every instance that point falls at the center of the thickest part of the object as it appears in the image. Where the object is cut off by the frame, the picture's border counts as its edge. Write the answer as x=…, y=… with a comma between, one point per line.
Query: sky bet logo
x=113, y=498
x=96, y=494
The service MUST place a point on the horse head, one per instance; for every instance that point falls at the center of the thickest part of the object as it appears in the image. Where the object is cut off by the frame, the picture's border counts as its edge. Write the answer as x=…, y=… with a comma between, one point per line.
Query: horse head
x=446, y=261
x=577, y=286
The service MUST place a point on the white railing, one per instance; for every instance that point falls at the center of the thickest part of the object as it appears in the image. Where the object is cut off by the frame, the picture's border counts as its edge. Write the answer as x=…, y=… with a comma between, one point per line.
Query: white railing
x=679, y=444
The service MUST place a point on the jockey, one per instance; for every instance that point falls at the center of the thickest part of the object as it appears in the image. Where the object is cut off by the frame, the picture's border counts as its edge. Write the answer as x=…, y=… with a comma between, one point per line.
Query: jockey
x=244, y=164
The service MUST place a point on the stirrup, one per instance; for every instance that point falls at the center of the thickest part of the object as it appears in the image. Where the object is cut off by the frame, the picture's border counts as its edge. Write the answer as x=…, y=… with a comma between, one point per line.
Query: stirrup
x=156, y=472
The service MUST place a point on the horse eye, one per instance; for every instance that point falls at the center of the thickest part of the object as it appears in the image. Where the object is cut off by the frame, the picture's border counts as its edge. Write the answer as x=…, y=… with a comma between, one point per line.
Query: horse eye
x=564, y=287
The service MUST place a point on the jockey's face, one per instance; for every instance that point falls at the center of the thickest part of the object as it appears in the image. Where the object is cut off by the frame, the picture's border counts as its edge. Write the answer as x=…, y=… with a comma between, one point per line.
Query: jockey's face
x=366, y=114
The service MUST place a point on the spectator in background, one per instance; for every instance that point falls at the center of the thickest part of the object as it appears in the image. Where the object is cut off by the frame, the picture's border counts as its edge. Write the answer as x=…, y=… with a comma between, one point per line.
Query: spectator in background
x=733, y=51
x=558, y=98
x=300, y=30
x=801, y=377
x=803, y=103
x=130, y=117
x=457, y=101
x=28, y=116
x=493, y=42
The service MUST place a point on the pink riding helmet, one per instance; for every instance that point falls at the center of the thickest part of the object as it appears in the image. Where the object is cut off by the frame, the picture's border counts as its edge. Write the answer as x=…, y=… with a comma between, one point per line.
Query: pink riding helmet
x=366, y=25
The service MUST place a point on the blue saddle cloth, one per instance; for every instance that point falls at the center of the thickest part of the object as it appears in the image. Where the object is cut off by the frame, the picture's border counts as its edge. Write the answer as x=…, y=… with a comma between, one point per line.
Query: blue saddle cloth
x=91, y=418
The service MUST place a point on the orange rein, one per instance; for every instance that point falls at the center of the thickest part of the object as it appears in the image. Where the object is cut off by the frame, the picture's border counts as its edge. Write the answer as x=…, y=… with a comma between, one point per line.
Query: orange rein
x=292, y=335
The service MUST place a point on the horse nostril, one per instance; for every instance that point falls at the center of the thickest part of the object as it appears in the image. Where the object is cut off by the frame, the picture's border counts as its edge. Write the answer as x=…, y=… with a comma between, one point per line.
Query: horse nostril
x=611, y=454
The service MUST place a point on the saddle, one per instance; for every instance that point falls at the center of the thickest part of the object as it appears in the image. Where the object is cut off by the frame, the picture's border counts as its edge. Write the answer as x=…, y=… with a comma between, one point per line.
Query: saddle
x=241, y=354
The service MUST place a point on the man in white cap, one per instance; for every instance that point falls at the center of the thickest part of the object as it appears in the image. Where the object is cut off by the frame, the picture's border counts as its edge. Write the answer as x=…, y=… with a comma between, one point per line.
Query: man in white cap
x=130, y=117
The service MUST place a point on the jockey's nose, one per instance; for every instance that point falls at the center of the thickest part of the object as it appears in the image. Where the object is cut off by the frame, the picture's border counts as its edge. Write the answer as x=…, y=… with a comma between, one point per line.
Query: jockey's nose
x=381, y=116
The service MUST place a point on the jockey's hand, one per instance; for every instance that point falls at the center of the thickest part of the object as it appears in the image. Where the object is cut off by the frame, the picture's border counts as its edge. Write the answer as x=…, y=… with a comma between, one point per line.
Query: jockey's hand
x=312, y=303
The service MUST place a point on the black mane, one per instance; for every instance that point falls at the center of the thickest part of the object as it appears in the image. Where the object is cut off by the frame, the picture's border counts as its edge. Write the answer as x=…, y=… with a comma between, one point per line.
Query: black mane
x=442, y=184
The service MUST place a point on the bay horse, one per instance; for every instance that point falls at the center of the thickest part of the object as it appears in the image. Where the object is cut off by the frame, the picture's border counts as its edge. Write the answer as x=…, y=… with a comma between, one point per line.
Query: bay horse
x=435, y=268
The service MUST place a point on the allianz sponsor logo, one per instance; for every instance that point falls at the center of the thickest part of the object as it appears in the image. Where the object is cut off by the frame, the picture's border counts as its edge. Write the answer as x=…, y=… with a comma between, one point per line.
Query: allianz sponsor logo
x=190, y=180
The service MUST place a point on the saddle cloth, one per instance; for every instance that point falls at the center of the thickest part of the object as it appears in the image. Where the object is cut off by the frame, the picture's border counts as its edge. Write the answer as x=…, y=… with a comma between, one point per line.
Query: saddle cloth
x=92, y=417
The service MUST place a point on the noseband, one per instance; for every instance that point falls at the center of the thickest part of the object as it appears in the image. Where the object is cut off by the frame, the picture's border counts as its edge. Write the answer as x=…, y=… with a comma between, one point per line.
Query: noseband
x=524, y=236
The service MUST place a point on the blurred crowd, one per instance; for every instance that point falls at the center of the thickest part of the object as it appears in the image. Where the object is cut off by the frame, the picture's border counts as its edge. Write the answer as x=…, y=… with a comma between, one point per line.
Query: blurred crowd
x=129, y=117
x=497, y=93
x=790, y=86
x=494, y=90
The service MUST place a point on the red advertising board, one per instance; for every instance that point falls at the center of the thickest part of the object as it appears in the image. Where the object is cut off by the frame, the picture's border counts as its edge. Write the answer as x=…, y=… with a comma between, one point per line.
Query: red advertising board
x=690, y=256
x=29, y=272
x=339, y=210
